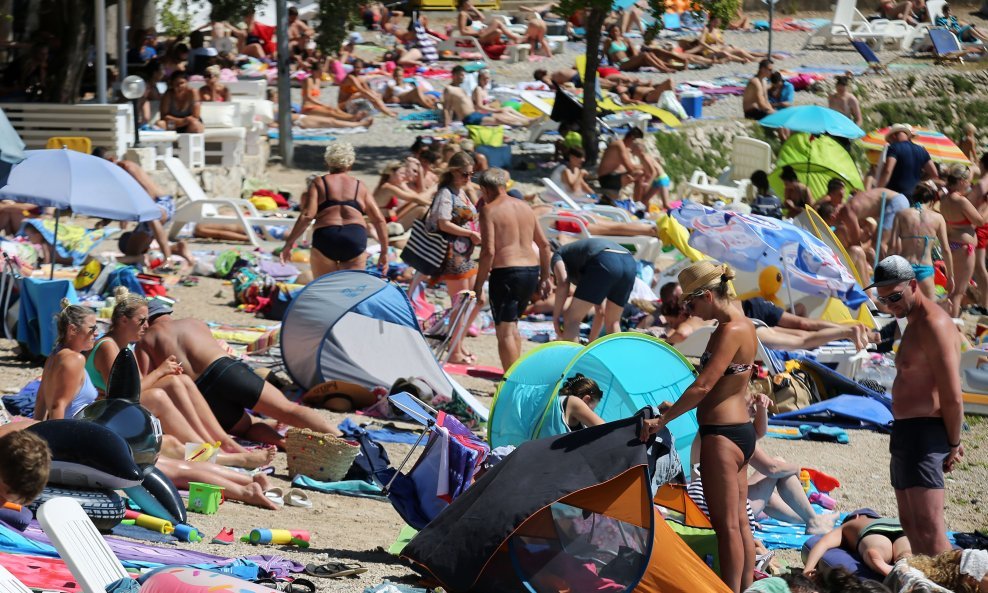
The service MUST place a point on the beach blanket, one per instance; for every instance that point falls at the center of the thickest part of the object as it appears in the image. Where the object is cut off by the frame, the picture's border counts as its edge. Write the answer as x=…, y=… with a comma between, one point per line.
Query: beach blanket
x=429, y=115
x=74, y=241
x=383, y=434
x=356, y=488
x=50, y=574
x=791, y=24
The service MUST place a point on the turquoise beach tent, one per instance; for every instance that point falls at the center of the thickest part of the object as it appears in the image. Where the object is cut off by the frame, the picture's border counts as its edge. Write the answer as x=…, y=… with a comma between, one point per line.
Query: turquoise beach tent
x=633, y=370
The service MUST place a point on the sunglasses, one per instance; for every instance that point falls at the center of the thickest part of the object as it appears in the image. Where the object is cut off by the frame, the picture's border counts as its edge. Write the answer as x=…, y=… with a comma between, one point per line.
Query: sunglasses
x=465, y=173
x=91, y=331
x=895, y=297
x=142, y=320
x=688, y=301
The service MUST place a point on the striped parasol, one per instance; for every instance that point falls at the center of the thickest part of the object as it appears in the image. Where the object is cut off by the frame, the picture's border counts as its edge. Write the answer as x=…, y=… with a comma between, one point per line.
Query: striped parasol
x=941, y=148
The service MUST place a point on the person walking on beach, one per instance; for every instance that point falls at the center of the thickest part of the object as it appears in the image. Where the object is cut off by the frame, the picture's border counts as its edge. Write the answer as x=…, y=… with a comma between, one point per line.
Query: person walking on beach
x=926, y=405
x=507, y=230
x=755, y=102
x=905, y=162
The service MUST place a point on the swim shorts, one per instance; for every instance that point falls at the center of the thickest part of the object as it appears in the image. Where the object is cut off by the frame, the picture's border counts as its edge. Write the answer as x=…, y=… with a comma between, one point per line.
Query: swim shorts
x=982, y=232
x=230, y=387
x=511, y=290
x=474, y=119
x=922, y=272
x=608, y=275
x=893, y=204
x=661, y=181
x=919, y=446
x=755, y=114
x=610, y=181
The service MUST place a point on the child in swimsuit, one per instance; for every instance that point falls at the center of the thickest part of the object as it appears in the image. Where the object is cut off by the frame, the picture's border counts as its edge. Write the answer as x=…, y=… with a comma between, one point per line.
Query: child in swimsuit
x=879, y=542
x=579, y=397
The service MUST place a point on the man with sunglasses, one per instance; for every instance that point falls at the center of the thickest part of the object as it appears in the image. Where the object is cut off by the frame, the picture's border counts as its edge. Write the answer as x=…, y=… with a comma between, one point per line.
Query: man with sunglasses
x=926, y=404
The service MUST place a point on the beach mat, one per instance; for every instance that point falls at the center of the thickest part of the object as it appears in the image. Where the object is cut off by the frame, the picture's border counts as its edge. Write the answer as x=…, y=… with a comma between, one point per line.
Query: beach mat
x=845, y=411
x=50, y=574
x=386, y=434
x=356, y=488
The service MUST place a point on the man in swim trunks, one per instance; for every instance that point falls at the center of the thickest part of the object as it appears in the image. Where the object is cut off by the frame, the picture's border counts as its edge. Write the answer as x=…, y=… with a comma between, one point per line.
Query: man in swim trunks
x=926, y=404
x=507, y=230
x=755, y=102
x=880, y=543
x=616, y=168
x=459, y=106
x=229, y=386
x=604, y=274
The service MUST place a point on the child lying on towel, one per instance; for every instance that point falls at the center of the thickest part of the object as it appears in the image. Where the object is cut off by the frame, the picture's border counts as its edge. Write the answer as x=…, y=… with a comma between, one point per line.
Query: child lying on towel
x=880, y=542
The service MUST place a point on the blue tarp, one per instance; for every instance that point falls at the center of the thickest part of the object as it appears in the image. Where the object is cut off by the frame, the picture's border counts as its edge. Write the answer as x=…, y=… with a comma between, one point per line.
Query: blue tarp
x=848, y=411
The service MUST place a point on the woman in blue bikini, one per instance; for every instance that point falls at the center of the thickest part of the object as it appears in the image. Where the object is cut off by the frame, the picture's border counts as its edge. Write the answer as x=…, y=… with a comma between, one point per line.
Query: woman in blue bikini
x=913, y=234
x=720, y=396
x=621, y=54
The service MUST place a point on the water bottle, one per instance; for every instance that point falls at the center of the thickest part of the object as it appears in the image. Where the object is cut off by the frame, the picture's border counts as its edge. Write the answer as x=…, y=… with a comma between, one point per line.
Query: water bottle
x=804, y=479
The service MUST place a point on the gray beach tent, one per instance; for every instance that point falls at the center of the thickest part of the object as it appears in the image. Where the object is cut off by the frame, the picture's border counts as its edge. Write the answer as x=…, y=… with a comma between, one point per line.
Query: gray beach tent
x=357, y=327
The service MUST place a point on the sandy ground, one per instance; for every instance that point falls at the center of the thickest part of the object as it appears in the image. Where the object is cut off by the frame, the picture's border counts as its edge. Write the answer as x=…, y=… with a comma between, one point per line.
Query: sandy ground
x=354, y=529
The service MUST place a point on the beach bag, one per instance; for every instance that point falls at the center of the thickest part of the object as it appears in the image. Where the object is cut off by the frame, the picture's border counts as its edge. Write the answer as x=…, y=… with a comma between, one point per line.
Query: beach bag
x=425, y=250
x=486, y=135
x=792, y=391
x=320, y=456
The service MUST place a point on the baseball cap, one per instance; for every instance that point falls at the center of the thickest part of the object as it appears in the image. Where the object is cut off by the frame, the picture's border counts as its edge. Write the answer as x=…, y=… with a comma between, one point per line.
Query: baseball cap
x=892, y=270
x=157, y=308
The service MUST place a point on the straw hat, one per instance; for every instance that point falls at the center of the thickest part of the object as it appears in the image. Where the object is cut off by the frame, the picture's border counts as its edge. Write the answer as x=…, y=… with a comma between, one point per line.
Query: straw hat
x=895, y=129
x=704, y=274
x=397, y=233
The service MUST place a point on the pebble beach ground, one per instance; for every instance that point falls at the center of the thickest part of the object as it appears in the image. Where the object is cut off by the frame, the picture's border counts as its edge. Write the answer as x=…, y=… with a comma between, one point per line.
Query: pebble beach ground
x=355, y=529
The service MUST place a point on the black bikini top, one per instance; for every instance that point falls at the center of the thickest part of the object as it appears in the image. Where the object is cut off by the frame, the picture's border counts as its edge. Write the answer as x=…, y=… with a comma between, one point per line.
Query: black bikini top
x=328, y=202
x=734, y=368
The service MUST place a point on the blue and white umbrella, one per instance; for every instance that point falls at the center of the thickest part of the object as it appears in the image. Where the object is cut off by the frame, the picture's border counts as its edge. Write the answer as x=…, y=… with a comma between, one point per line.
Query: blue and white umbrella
x=750, y=242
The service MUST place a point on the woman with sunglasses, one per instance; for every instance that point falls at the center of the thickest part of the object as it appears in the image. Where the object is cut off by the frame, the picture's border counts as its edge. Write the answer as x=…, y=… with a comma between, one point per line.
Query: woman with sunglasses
x=720, y=396
x=454, y=214
x=65, y=386
x=213, y=91
x=166, y=391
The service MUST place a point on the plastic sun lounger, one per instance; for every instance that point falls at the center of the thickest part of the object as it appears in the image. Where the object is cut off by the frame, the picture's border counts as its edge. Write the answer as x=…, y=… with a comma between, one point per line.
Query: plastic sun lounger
x=85, y=552
x=874, y=63
x=10, y=584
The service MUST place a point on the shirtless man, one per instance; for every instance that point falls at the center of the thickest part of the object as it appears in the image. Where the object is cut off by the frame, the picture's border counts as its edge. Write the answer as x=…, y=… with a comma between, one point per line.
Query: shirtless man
x=458, y=106
x=617, y=169
x=297, y=28
x=926, y=404
x=861, y=206
x=755, y=103
x=507, y=230
x=845, y=102
x=228, y=385
x=836, y=192
x=914, y=234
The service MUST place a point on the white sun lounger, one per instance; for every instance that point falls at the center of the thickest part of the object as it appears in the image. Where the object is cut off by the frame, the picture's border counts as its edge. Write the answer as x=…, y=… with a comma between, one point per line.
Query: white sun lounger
x=10, y=584
x=80, y=545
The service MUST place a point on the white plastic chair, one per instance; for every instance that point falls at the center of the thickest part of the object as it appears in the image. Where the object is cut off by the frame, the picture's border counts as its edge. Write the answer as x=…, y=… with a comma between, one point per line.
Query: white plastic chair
x=747, y=156
x=850, y=24
x=917, y=38
x=80, y=545
x=199, y=208
x=11, y=584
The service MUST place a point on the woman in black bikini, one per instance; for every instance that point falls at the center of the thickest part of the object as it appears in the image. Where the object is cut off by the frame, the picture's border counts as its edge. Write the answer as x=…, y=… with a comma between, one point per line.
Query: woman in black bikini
x=338, y=202
x=720, y=396
x=180, y=106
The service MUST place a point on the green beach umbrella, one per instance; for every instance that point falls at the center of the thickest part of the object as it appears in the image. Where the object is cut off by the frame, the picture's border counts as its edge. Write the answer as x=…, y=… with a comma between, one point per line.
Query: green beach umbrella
x=815, y=162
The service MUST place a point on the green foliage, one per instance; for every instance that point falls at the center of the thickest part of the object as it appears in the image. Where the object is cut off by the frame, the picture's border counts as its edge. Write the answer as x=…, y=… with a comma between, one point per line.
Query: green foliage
x=961, y=84
x=335, y=18
x=175, y=18
x=232, y=10
x=679, y=160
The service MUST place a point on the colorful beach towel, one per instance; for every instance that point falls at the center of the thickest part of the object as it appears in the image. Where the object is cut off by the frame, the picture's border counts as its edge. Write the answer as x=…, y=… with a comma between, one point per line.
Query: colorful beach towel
x=74, y=241
x=50, y=574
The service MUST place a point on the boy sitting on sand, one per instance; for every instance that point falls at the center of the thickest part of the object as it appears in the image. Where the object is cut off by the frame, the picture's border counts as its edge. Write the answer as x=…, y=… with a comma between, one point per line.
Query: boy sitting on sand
x=878, y=541
x=24, y=463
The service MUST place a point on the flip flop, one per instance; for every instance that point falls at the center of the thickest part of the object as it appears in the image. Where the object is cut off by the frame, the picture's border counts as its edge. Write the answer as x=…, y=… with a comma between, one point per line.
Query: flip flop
x=298, y=498
x=335, y=570
x=275, y=495
x=292, y=586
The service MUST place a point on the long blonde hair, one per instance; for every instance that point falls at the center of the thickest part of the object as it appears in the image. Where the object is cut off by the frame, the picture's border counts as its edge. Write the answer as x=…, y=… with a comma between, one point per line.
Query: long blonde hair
x=70, y=315
x=945, y=570
x=127, y=304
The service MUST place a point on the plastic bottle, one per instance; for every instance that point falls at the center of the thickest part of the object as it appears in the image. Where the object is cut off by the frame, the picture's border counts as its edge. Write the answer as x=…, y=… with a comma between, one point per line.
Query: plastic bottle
x=823, y=500
x=804, y=479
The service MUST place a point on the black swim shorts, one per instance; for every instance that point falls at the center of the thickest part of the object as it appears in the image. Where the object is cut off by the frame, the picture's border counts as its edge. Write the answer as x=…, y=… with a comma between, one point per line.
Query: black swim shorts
x=608, y=275
x=230, y=387
x=510, y=291
x=919, y=446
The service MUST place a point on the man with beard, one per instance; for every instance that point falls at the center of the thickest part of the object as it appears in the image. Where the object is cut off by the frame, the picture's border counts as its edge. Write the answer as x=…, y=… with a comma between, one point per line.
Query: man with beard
x=926, y=404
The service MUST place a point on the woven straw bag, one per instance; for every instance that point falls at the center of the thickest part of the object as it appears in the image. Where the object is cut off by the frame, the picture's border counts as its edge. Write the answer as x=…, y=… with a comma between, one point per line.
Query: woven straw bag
x=317, y=455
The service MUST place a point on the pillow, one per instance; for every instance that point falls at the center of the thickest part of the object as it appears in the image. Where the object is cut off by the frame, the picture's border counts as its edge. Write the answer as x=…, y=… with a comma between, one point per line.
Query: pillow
x=219, y=115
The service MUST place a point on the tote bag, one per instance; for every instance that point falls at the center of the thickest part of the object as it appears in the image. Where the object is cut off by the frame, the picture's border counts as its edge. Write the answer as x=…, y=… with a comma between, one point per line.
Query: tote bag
x=425, y=250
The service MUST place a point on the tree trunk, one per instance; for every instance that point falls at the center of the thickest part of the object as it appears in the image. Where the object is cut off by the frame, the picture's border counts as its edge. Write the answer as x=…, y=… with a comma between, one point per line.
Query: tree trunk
x=71, y=23
x=588, y=123
x=142, y=14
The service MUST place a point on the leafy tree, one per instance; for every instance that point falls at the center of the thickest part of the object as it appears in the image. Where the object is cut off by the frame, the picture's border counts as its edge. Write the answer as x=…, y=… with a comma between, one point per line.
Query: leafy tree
x=232, y=10
x=175, y=18
x=725, y=9
x=334, y=19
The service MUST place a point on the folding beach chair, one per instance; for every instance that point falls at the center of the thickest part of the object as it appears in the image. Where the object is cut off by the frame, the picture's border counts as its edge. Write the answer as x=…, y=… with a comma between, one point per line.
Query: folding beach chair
x=874, y=63
x=80, y=545
x=946, y=47
x=443, y=471
x=447, y=327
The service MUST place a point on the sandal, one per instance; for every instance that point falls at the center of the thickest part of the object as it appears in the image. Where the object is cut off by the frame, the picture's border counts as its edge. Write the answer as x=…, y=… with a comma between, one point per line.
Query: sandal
x=292, y=586
x=275, y=495
x=335, y=570
x=297, y=497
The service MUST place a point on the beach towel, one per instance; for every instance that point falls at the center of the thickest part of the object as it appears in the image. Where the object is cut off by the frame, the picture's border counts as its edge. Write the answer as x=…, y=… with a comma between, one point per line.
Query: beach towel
x=356, y=488
x=40, y=573
x=22, y=402
x=429, y=115
x=381, y=435
x=425, y=43
x=74, y=241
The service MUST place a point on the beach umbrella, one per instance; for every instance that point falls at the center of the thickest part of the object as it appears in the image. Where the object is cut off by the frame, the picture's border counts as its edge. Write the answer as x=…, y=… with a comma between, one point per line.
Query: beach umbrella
x=941, y=148
x=11, y=147
x=813, y=119
x=816, y=161
x=69, y=180
x=750, y=242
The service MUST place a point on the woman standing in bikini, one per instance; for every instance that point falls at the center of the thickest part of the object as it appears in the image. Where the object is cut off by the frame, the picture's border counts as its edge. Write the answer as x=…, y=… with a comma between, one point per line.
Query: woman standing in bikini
x=913, y=233
x=720, y=396
x=338, y=202
x=962, y=220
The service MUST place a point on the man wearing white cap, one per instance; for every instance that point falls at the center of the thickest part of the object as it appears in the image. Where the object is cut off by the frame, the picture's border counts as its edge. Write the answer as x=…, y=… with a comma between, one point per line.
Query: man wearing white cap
x=926, y=403
x=905, y=162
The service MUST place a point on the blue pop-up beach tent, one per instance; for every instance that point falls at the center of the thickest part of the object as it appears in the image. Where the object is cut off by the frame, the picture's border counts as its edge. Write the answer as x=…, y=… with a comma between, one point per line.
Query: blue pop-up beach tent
x=633, y=370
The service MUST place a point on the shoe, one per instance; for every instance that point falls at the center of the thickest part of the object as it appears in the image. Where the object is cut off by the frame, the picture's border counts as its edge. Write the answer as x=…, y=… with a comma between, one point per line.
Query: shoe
x=225, y=536
x=298, y=498
x=276, y=495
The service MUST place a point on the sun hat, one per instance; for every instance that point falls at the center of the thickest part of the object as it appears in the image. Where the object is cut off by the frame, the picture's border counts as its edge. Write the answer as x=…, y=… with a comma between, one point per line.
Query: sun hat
x=892, y=270
x=157, y=307
x=895, y=129
x=396, y=232
x=704, y=274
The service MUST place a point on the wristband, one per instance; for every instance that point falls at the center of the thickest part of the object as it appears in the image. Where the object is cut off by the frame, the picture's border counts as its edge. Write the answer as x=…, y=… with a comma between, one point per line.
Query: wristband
x=952, y=446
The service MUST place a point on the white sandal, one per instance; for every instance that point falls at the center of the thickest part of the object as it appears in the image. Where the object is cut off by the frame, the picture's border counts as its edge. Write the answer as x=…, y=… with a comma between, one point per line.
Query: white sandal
x=275, y=495
x=298, y=498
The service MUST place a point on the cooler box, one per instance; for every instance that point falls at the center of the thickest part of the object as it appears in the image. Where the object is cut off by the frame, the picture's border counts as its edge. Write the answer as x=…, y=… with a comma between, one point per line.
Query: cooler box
x=692, y=102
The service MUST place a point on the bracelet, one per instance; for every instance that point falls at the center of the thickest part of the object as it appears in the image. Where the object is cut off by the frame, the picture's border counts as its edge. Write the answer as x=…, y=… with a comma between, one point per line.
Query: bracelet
x=952, y=446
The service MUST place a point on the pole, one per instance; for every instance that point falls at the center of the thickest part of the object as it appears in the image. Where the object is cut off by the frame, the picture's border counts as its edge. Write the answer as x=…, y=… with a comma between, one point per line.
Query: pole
x=878, y=240
x=771, y=19
x=285, y=147
x=100, y=51
x=785, y=268
x=54, y=248
x=122, y=39
x=137, y=123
